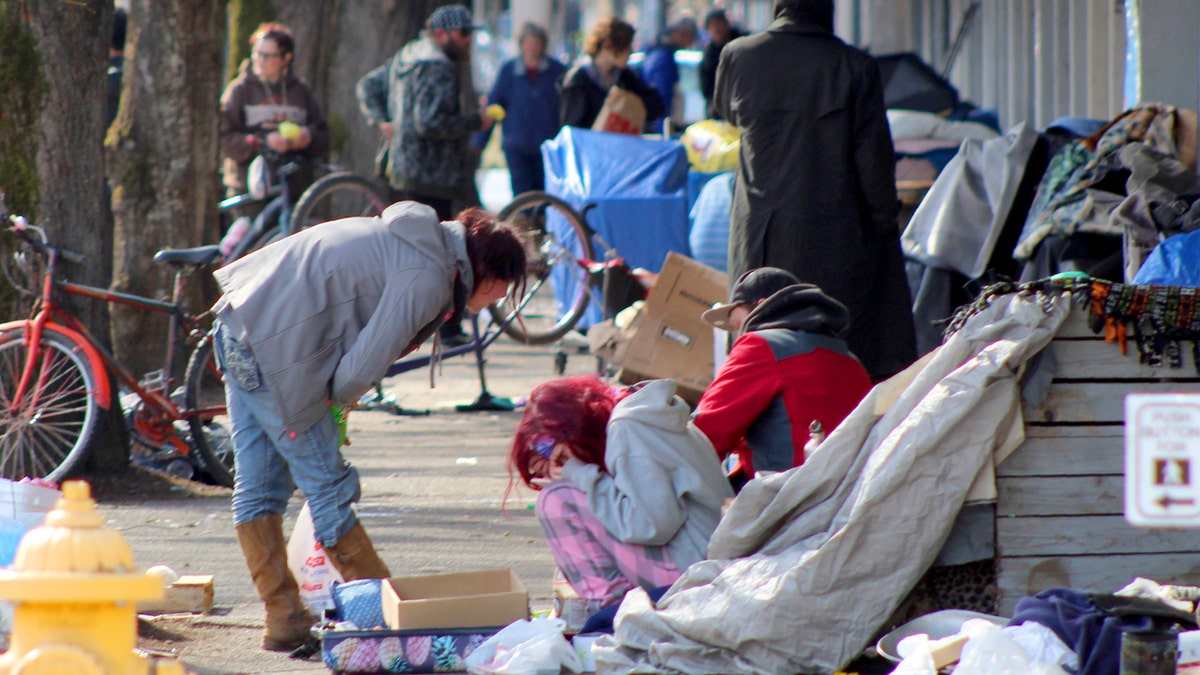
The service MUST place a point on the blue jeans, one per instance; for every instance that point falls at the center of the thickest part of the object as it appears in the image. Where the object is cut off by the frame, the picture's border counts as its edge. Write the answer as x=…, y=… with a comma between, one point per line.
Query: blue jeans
x=271, y=462
x=525, y=170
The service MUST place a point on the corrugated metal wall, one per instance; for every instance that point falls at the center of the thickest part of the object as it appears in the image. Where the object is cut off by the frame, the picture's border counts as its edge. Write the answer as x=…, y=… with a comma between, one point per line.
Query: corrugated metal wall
x=1030, y=60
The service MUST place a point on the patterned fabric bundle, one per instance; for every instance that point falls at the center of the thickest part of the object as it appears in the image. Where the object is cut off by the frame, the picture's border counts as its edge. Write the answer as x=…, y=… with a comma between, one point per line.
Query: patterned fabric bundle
x=1158, y=318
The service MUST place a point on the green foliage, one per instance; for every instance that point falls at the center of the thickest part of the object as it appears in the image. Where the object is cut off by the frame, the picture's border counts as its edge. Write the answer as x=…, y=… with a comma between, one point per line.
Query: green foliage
x=244, y=18
x=24, y=90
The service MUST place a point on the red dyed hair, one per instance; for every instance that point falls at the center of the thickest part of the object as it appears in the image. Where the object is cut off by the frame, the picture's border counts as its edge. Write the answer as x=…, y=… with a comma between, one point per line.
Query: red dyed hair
x=570, y=410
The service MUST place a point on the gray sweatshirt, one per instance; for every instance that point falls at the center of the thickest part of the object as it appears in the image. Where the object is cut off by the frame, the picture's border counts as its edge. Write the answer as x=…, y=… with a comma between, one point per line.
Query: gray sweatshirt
x=664, y=484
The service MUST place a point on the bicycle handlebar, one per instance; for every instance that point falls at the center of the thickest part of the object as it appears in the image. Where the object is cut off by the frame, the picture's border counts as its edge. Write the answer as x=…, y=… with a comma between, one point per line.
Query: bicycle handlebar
x=36, y=237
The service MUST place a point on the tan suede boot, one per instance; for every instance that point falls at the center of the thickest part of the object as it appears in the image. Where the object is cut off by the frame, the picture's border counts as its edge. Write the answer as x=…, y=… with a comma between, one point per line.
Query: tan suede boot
x=288, y=620
x=354, y=556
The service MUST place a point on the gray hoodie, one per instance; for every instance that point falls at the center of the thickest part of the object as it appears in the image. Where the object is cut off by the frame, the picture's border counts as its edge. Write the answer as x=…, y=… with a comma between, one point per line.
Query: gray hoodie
x=327, y=310
x=664, y=484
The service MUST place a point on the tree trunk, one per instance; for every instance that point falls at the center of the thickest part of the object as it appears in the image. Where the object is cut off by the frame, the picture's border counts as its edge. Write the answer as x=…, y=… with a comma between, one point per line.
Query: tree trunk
x=164, y=159
x=53, y=62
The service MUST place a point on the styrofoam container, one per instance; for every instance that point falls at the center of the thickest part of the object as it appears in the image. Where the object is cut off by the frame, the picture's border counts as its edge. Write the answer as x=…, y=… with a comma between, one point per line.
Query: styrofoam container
x=26, y=503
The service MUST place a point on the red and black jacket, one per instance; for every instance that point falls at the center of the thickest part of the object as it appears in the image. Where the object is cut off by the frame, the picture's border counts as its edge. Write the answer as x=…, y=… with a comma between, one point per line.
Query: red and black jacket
x=788, y=369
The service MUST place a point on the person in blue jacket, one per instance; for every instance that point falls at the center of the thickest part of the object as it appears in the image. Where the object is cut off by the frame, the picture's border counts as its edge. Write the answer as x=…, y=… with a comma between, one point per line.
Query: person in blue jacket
x=526, y=88
x=659, y=69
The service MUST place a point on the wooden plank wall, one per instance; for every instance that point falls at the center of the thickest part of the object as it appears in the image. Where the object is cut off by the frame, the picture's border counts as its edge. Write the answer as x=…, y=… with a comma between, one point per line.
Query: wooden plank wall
x=1059, y=514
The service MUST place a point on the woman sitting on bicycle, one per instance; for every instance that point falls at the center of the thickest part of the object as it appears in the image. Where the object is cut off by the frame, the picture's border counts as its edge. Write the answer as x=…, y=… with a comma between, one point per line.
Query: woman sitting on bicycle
x=256, y=104
x=630, y=490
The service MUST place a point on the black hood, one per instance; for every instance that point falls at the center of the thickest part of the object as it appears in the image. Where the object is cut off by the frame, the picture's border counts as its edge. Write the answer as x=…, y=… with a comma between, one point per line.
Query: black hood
x=799, y=307
x=816, y=13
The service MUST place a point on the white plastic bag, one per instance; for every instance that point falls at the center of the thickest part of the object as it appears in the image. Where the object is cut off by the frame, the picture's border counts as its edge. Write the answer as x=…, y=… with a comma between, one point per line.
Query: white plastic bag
x=918, y=660
x=311, y=567
x=989, y=651
x=525, y=648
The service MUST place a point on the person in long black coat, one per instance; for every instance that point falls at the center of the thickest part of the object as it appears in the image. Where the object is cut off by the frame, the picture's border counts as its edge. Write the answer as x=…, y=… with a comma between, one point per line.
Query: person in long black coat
x=816, y=190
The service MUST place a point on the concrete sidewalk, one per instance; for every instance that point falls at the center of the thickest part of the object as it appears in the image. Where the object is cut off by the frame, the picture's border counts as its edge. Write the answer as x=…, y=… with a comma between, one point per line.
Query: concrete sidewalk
x=433, y=487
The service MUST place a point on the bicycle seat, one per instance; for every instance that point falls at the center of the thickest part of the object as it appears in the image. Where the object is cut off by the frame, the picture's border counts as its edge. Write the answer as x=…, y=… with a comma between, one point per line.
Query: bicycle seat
x=184, y=257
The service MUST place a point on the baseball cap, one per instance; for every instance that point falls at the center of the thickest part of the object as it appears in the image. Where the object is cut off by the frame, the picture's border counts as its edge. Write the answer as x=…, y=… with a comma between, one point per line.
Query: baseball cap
x=752, y=286
x=452, y=17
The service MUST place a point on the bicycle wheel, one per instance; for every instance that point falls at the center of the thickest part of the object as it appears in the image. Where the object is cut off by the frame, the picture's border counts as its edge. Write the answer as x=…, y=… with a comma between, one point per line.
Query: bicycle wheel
x=557, y=281
x=204, y=396
x=338, y=195
x=46, y=433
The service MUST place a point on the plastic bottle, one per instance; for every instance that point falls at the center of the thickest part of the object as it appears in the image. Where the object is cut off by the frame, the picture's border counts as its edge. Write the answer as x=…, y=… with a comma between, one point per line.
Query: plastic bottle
x=236, y=231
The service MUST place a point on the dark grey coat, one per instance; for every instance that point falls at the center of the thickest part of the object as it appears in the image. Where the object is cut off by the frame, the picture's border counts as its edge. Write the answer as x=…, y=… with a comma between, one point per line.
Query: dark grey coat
x=815, y=192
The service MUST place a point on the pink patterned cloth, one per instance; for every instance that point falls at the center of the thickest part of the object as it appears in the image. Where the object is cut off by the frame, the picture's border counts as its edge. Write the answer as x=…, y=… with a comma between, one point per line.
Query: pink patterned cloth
x=598, y=566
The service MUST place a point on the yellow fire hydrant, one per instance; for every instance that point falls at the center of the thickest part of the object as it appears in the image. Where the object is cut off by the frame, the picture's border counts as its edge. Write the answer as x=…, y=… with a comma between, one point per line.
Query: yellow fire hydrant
x=74, y=590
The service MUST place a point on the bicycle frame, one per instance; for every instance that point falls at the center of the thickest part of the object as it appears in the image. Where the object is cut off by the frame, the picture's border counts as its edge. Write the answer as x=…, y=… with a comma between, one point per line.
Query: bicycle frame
x=279, y=203
x=49, y=314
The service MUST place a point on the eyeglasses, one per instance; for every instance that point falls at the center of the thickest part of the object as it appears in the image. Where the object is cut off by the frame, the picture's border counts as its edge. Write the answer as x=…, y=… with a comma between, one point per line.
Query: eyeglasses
x=266, y=55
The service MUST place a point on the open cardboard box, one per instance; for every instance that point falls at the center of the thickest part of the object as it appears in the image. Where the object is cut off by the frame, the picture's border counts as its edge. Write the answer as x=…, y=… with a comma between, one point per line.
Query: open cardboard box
x=668, y=339
x=489, y=598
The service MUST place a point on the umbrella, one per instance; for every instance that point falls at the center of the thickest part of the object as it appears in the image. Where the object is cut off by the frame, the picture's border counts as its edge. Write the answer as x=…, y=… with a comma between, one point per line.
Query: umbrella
x=911, y=84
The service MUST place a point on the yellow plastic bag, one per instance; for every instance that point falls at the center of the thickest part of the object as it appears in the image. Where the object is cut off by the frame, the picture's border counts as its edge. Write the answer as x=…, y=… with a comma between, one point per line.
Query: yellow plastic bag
x=712, y=146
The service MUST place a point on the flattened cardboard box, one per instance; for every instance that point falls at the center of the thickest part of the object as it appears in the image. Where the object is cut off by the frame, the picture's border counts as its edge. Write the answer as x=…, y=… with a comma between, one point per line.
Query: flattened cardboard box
x=488, y=598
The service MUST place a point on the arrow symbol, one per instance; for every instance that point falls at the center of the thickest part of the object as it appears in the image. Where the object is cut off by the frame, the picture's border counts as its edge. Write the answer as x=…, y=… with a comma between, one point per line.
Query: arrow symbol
x=1166, y=501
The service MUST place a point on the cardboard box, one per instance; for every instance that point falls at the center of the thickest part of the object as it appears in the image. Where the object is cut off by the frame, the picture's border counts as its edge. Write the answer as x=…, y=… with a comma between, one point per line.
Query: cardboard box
x=668, y=346
x=668, y=339
x=489, y=598
x=686, y=287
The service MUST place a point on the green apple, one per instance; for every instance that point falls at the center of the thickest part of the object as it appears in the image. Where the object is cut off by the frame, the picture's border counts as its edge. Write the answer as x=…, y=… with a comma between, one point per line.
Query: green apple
x=289, y=130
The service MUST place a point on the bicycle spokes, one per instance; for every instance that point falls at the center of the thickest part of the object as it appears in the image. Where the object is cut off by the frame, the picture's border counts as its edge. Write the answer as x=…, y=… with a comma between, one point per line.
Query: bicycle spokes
x=46, y=425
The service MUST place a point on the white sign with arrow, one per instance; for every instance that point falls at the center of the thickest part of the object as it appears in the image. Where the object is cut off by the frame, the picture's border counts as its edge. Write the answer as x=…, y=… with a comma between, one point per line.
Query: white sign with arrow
x=1162, y=460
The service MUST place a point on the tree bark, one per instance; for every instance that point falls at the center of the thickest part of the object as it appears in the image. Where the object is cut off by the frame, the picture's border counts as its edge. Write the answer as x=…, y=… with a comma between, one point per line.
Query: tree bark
x=164, y=159
x=53, y=62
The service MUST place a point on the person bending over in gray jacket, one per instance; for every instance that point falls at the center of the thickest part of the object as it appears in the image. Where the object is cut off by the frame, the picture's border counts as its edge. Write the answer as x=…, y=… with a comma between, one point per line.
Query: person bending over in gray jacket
x=314, y=321
x=630, y=490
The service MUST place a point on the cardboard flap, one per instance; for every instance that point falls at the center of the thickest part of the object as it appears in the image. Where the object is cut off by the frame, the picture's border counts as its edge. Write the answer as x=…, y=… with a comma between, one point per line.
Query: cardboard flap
x=687, y=287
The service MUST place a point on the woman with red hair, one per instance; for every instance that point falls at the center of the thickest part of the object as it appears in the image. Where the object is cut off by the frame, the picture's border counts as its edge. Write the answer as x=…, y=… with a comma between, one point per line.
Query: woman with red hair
x=630, y=489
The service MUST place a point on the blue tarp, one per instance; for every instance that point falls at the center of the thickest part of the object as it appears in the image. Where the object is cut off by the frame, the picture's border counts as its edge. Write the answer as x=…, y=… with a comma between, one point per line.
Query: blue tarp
x=1173, y=262
x=638, y=187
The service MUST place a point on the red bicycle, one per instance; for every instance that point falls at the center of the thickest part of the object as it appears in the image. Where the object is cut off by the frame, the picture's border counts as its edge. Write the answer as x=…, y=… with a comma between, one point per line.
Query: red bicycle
x=55, y=381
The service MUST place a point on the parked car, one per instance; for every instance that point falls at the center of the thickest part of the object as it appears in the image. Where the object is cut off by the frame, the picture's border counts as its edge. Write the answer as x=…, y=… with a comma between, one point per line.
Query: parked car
x=688, y=106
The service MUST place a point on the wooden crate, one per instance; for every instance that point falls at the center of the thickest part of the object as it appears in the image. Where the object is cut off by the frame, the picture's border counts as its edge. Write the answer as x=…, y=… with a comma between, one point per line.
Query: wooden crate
x=1060, y=501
